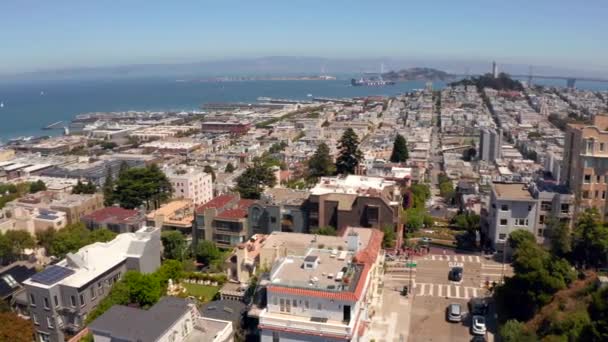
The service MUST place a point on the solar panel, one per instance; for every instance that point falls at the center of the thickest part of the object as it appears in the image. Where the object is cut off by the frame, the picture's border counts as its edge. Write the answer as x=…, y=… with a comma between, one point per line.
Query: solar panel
x=52, y=274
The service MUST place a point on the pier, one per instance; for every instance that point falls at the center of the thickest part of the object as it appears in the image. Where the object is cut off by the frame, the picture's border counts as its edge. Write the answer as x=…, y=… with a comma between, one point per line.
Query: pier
x=53, y=125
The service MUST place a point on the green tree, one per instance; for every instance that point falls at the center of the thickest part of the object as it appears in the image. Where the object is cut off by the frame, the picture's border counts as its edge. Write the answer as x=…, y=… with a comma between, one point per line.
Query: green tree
x=71, y=238
x=598, y=312
x=561, y=238
x=142, y=185
x=108, y=145
x=400, y=153
x=229, y=168
x=207, y=252
x=418, y=194
x=82, y=188
x=256, y=177
x=144, y=289
x=101, y=235
x=350, y=155
x=325, y=230
x=174, y=245
x=37, y=186
x=590, y=240
x=320, y=164
x=108, y=188
x=209, y=169
x=389, y=238
x=124, y=166
x=515, y=331
x=19, y=240
x=467, y=221
x=15, y=329
x=519, y=236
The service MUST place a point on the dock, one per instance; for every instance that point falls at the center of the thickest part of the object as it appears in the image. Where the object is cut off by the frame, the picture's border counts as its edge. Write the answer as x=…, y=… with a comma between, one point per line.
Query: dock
x=53, y=125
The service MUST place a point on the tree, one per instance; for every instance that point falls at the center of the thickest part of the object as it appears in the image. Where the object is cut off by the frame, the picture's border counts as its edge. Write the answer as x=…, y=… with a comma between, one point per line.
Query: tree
x=108, y=188
x=467, y=221
x=598, y=312
x=251, y=183
x=81, y=188
x=174, y=244
x=325, y=230
x=124, y=166
x=320, y=164
x=350, y=155
x=519, y=236
x=15, y=329
x=108, y=145
x=208, y=169
x=561, y=238
x=417, y=196
x=144, y=289
x=142, y=185
x=207, y=252
x=71, y=238
x=590, y=240
x=229, y=168
x=400, y=153
x=19, y=240
x=37, y=186
x=515, y=331
x=388, y=240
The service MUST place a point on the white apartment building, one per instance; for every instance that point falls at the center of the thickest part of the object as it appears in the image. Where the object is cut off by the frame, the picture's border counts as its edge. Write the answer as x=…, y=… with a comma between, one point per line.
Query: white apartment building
x=325, y=294
x=191, y=183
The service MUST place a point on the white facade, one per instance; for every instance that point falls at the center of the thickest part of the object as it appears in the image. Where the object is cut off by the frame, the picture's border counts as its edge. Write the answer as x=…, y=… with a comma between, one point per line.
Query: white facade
x=191, y=183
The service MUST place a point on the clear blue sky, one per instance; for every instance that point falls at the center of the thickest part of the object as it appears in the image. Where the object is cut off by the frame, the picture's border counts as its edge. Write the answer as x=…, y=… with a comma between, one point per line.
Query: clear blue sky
x=41, y=34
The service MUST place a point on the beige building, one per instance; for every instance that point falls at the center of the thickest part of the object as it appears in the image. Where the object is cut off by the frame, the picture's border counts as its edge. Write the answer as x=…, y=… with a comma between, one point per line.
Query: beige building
x=190, y=183
x=585, y=164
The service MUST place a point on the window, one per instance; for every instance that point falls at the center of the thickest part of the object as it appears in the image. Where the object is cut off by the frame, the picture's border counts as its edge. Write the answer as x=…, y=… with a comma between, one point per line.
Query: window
x=545, y=206
x=46, y=303
x=32, y=300
x=541, y=219
x=44, y=337
x=601, y=147
x=502, y=236
x=529, y=208
x=276, y=301
x=295, y=303
x=35, y=319
x=540, y=232
x=100, y=288
x=603, y=194
x=73, y=301
x=503, y=222
x=504, y=207
x=49, y=322
x=275, y=336
x=585, y=194
x=319, y=306
x=587, y=179
x=597, y=194
x=521, y=222
x=288, y=305
x=81, y=299
x=273, y=219
x=10, y=280
x=92, y=290
x=56, y=301
x=598, y=179
x=590, y=146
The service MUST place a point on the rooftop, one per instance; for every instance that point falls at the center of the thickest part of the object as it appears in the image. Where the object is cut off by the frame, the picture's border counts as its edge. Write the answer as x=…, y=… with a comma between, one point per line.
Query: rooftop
x=514, y=191
x=175, y=212
x=112, y=214
x=285, y=196
x=79, y=268
x=351, y=184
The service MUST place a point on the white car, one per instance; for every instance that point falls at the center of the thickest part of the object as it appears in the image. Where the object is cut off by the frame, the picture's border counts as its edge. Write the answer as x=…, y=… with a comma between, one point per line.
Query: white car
x=478, y=327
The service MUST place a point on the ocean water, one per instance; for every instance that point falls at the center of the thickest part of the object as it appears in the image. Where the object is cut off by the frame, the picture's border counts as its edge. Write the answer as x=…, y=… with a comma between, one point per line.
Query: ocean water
x=30, y=106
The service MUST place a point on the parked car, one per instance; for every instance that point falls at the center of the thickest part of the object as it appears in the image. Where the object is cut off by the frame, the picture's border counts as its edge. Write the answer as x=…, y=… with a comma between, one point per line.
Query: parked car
x=426, y=239
x=478, y=306
x=454, y=313
x=455, y=274
x=478, y=338
x=478, y=327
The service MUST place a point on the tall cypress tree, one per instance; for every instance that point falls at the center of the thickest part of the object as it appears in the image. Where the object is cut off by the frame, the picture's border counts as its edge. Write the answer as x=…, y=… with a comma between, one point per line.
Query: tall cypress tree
x=321, y=163
x=350, y=155
x=108, y=189
x=400, y=153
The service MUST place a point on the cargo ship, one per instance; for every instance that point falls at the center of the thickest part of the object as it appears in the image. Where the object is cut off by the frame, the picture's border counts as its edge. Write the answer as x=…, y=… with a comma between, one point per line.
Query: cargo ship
x=370, y=82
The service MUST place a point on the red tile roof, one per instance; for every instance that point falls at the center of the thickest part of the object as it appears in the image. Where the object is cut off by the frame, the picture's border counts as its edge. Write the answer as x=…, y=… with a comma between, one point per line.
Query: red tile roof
x=217, y=202
x=238, y=212
x=113, y=214
x=366, y=257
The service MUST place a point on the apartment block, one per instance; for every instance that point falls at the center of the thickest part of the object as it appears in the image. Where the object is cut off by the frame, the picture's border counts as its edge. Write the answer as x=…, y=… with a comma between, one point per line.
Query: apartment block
x=324, y=294
x=62, y=295
x=191, y=183
x=222, y=220
x=585, y=164
x=279, y=209
x=490, y=144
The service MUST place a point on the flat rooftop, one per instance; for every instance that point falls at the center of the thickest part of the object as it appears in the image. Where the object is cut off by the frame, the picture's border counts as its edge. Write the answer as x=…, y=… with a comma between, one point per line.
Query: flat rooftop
x=351, y=184
x=516, y=191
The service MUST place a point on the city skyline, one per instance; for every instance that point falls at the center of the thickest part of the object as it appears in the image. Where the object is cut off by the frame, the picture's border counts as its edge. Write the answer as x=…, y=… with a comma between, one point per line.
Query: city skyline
x=78, y=35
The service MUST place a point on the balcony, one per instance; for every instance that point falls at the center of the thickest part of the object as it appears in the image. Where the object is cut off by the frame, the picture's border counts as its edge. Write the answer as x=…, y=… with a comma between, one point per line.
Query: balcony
x=306, y=324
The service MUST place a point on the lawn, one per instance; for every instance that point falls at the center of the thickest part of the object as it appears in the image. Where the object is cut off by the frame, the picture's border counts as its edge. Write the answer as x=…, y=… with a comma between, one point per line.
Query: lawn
x=197, y=290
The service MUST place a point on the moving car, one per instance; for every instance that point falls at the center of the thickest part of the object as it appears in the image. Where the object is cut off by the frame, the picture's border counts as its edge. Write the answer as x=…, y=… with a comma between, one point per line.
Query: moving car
x=455, y=274
x=478, y=327
x=454, y=313
x=478, y=338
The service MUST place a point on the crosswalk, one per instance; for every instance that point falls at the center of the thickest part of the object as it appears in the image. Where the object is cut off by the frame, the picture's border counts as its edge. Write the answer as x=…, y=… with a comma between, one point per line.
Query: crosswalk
x=456, y=258
x=447, y=291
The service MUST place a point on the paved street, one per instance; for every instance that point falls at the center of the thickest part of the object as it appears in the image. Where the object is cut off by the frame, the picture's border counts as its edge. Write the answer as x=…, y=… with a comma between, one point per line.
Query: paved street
x=422, y=316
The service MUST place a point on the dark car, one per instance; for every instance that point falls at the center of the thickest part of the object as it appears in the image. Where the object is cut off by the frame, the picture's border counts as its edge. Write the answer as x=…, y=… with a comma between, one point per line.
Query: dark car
x=478, y=338
x=478, y=306
x=455, y=274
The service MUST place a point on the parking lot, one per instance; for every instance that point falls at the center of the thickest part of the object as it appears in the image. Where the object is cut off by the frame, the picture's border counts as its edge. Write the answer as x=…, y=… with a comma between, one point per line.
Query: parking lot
x=422, y=315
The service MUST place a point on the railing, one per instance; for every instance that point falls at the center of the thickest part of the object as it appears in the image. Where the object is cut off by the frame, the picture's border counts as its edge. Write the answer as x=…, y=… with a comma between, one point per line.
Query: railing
x=304, y=323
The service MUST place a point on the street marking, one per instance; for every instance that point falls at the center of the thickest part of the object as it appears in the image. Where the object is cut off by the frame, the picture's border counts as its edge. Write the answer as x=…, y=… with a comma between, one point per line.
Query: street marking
x=455, y=264
x=457, y=292
x=448, y=294
x=433, y=257
x=477, y=258
x=430, y=289
x=439, y=291
x=470, y=258
x=422, y=289
x=474, y=292
x=492, y=274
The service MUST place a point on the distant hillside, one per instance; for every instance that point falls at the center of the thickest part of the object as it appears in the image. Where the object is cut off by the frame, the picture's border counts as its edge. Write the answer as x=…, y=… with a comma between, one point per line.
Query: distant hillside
x=417, y=74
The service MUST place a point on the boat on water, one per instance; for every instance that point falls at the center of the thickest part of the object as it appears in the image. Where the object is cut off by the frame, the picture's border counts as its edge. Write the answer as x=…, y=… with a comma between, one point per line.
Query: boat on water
x=370, y=82
x=309, y=95
x=1, y=104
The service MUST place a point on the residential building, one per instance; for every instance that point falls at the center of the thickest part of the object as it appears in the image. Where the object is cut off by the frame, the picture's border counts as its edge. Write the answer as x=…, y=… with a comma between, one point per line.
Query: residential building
x=526, y=206
x=171, y=319
x=116, y=219
x=490, y=144
x=12, y=291
x=355, y=201
x=324, y=294
x=233, y=127
x=191, y=183
x=279, y=209
x=75, y=206
x=175, y=215
x=585, y=164
x=222, y=220
x=61, y=296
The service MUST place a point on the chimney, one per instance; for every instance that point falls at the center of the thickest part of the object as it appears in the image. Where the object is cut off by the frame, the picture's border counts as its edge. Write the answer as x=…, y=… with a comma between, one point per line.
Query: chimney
x=352, y=241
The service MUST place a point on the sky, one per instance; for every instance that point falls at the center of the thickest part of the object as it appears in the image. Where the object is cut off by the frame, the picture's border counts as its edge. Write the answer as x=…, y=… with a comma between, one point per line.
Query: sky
x=59, y=34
